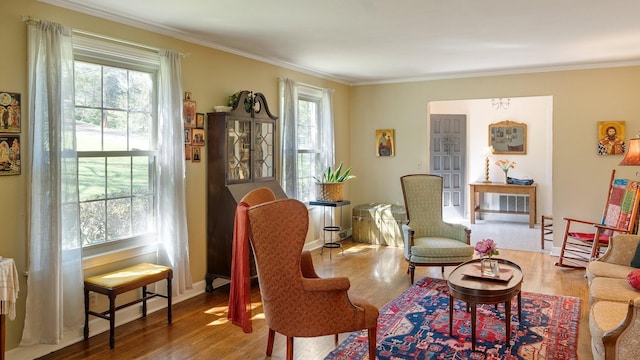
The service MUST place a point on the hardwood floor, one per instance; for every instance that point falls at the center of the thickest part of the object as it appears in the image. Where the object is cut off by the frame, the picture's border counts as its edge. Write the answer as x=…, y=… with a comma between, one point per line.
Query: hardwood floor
x=200, y=329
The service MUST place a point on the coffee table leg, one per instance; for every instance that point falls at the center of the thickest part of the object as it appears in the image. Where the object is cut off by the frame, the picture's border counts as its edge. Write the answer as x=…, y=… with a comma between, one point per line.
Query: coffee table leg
x=507, y=320
x=520, y=306
x=451, y=315
x=473, y=326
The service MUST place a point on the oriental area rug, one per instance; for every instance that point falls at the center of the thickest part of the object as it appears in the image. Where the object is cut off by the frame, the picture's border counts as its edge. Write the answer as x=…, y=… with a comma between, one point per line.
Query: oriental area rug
x=415, y=325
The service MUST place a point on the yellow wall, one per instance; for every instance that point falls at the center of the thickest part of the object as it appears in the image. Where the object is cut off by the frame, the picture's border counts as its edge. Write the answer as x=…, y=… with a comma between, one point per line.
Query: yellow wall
x=210, y=76
x=580, y=99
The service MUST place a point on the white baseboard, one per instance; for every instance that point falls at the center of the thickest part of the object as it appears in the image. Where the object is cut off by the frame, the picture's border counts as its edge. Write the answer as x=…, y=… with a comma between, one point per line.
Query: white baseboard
x=97, y=325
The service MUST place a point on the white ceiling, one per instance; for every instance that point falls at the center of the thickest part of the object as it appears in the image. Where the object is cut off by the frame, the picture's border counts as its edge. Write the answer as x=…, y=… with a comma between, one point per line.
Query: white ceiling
x=374, y=41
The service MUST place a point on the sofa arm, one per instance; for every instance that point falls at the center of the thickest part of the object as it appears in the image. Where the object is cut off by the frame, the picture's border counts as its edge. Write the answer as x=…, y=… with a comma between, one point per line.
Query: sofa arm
x=622, y=342
x=621, y=249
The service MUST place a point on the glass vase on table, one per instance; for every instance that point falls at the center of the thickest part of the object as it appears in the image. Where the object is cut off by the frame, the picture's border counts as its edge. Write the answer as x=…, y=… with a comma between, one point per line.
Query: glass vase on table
x=489, y=267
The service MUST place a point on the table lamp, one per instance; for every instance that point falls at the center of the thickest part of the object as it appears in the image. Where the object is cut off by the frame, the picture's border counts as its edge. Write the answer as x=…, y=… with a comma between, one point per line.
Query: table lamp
x=632, y=157
x=488, y=150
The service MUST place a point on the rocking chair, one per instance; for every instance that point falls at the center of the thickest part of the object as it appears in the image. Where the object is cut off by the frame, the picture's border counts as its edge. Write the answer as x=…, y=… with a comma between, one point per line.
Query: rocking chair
x=620, y=217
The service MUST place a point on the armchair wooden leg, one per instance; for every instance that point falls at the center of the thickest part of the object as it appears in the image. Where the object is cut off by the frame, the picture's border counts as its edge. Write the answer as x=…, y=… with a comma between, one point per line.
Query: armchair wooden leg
x=412, y=271
x=289, y=347
x=272, y=335
x=335, y=340
x=372, y=343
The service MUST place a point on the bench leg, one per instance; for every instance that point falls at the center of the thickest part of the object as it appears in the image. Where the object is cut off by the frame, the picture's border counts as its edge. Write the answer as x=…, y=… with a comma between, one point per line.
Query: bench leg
x=169, y=300
x=86, y=314
x=144, y=301
x=112, y=320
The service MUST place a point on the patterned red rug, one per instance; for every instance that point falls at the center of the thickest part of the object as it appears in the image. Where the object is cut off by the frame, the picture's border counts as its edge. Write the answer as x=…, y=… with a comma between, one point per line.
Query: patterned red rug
x=415, y=325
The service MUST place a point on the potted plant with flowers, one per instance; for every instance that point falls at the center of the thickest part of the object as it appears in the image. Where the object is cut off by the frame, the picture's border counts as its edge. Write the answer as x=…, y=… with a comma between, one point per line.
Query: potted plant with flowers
x=486, y=248
x=330, y=185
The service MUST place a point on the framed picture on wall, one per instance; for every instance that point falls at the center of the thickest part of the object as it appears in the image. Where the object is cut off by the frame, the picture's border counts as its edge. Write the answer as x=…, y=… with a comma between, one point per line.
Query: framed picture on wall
x=10, y=154
x=508, y=137
x=10, y=112
x=611, y=135
x=385, y=142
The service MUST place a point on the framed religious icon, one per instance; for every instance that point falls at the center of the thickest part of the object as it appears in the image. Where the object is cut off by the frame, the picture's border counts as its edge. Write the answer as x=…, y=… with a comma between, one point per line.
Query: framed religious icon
x=10, y=154
x=189, y=111
x=10, y=112
x=385, y=142
x=611, y=135
x=200, y=120
x=508, y=137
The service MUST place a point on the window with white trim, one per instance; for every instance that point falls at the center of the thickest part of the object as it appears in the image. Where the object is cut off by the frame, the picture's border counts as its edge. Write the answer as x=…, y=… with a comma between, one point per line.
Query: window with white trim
x=309, y=145
x=115, y=98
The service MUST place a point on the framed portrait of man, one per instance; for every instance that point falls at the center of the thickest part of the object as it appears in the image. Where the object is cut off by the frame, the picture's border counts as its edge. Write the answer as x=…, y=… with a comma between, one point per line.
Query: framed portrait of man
x=611, y=137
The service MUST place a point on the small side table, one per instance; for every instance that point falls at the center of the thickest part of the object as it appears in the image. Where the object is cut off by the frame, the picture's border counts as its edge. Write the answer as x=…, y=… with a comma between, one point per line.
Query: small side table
x=330, y=228
x=10, y=287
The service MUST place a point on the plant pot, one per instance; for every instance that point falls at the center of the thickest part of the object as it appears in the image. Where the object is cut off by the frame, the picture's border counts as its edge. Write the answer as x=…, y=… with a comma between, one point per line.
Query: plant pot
x=330, y=191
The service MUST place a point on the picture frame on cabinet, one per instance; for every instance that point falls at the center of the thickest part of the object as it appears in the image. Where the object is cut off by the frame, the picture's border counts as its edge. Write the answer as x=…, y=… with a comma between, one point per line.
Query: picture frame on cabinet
x=200, y=120
x=198, y=137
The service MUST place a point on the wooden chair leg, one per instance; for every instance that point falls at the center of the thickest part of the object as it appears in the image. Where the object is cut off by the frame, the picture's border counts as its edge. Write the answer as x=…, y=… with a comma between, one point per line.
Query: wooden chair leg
x=412, y=271
x=272, y=335
x=289, y=347
x=372, y=342
x=335, y=340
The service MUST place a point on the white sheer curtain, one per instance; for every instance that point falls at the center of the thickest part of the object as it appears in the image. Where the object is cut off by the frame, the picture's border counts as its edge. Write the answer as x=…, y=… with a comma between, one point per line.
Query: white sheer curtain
x=54, y=296
x=290, y=90
x=173, y=238
x=288, y=136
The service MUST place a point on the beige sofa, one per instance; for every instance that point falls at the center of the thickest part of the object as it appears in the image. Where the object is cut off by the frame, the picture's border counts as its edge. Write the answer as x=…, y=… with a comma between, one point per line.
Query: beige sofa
x=614, y=319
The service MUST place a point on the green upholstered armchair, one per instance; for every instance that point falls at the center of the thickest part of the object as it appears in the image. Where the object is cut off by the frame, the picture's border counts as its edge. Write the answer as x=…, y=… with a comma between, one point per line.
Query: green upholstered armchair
x=428, y=240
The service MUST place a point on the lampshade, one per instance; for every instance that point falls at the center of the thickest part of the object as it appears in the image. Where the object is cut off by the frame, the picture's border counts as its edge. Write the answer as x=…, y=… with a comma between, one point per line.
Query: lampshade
x=632, y=157
x=487, y=151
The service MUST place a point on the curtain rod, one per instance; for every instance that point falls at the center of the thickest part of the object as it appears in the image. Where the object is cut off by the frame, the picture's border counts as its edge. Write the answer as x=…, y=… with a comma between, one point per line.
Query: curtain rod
x=31, y=21
x=307, y=85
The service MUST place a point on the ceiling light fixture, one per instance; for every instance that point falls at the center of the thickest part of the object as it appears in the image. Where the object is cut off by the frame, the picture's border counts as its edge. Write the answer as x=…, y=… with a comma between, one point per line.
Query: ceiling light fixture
x=501, y=103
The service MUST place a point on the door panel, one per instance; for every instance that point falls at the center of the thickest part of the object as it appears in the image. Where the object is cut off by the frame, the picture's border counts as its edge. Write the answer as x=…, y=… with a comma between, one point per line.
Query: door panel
x=448, y=158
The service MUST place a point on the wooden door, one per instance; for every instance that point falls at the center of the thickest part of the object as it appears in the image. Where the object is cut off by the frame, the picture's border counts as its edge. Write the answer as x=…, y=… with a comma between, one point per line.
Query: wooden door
x=447, y=151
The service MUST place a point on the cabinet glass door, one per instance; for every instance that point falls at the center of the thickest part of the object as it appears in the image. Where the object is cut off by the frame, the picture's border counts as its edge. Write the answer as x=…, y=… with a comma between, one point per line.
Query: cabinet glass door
x=263, y=158
x=238, y=150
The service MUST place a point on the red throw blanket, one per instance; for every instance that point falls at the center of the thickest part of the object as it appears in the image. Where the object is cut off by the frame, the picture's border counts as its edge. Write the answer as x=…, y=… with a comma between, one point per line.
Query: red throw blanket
x=240, y=294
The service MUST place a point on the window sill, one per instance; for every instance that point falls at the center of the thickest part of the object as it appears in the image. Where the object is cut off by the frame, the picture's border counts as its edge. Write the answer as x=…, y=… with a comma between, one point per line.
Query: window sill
x=118, y=255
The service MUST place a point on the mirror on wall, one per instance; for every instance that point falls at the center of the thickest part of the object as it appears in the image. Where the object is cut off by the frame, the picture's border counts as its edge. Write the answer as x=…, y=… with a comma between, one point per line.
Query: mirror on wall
x=508, y=137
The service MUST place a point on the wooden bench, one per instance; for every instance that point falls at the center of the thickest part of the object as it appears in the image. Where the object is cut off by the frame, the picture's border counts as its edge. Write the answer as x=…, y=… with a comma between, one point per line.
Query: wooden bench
x=117, y=282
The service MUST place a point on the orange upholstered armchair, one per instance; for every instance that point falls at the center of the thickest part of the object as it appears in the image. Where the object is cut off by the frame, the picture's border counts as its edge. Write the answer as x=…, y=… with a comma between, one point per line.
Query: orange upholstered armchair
x=296, y=302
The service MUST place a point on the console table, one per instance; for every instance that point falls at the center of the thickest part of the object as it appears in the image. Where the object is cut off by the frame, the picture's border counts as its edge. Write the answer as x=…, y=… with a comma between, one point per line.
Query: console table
x=475, y=203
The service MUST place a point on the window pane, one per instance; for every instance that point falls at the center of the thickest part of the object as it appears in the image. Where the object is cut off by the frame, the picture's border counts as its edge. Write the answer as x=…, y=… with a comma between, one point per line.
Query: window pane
x=118, y=218
x=115, y=130
x=88, y=129
x=88, y=84
x=116, y=87
x=92, y=222
x=118, y=177
x=140, y=131
x=91, y=178
x=141, y=222
x=140, y=91
x=141, y=175
x=307, y=125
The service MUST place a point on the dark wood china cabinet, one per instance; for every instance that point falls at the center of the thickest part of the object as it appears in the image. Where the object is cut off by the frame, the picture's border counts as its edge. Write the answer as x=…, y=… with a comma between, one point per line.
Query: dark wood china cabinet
x=240, y=157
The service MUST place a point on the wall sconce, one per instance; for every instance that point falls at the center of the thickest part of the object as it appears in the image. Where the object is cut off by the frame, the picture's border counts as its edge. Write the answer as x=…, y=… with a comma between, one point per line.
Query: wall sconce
x=486, y=152
x=501, y=103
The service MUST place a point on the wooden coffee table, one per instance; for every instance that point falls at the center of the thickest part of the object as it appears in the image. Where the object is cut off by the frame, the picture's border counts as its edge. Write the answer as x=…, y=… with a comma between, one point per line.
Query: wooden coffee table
x=474, y=290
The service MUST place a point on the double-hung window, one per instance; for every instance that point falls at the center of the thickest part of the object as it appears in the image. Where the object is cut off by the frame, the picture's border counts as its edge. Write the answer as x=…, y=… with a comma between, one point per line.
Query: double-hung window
x=307, y=138
x=115, y=97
